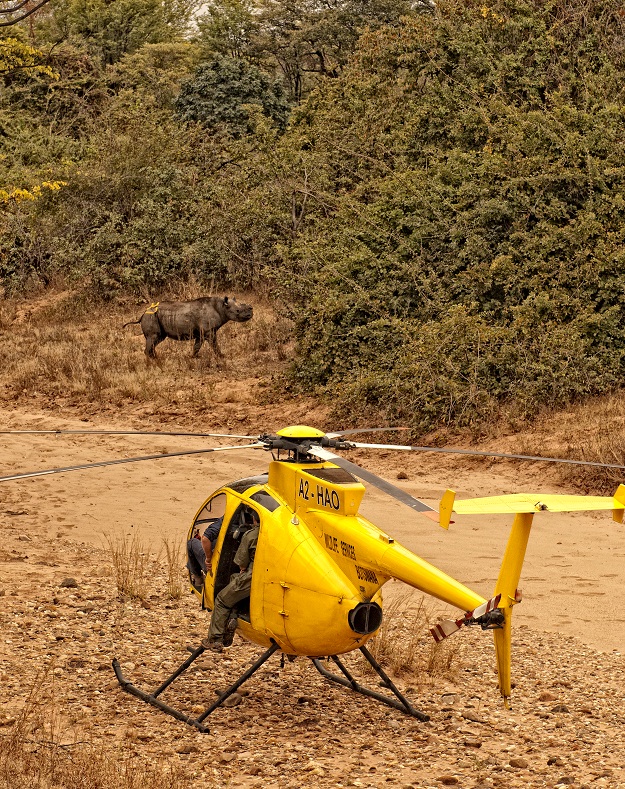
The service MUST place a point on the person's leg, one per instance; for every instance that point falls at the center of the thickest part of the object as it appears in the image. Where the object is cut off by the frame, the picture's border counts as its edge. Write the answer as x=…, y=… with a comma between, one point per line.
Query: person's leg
x=219, y=618
x=238, y=589
x=196, y=558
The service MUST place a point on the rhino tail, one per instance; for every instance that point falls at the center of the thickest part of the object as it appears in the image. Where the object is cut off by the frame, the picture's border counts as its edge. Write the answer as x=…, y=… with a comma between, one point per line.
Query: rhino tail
x=151, y=310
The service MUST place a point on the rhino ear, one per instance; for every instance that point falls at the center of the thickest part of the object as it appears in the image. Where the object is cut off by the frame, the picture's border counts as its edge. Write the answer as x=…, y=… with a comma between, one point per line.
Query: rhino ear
x=225, y=299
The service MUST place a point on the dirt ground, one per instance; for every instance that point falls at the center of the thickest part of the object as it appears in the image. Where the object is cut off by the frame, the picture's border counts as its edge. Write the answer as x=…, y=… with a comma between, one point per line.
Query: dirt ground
x=294, y=730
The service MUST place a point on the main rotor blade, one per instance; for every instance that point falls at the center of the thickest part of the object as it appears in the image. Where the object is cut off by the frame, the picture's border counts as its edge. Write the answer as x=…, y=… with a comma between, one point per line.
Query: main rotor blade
x=119, y=433
x=127, y=460
x=480, y=453
x=373, y=479
x=364, y=430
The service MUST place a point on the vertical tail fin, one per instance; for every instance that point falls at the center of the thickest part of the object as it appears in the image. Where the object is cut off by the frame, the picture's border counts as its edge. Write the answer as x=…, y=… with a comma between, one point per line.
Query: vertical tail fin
x=507, y=586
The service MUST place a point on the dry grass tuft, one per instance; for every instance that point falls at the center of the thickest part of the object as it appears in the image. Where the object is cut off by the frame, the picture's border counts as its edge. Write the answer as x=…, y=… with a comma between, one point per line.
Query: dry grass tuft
x=404, y=644
x=37, y=754
x=173, y=565
x=130, y=559
x=600, y=438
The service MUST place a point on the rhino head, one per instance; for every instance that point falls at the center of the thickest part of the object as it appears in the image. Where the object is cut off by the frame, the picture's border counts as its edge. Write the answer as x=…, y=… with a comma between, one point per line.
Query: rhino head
x=236, y=311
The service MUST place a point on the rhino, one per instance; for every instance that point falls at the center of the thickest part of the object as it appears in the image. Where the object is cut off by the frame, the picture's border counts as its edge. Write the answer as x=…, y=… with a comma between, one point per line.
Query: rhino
x=196, y=320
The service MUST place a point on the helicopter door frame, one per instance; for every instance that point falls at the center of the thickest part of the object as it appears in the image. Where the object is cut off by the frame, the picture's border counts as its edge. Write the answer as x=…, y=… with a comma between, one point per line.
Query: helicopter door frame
x=212, y=510
x=226, y=566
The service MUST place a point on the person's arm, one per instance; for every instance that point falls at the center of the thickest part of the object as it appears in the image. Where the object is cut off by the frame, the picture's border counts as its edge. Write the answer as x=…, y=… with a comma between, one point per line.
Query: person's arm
x=208, y=553
x=242, y=557
x=209, y=538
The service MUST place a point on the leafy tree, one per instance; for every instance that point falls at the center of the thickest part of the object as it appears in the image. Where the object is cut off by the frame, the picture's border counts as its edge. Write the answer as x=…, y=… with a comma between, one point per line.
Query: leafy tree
x=302, y=40
x=13, y=12
x=309, y=38
x=221, y=91
x=110, y=29
x=228, y=28
x=155, y=72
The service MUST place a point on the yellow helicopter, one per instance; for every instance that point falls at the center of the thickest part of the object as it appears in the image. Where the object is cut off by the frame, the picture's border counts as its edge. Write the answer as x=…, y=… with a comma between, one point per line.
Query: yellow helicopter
x=320, y=566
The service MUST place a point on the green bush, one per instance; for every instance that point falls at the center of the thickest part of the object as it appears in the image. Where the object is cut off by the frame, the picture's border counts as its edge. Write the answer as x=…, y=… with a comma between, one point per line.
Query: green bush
x=442, y=216
x=470, y=255
x=221, y=91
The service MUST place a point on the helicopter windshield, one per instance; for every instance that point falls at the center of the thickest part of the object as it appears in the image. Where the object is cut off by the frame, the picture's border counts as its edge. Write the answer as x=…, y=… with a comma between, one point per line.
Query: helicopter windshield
x=213, y=509
x=241, y=485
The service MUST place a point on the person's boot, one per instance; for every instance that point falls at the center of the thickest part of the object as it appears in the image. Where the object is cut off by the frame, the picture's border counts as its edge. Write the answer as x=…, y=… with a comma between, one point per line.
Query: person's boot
x=216, y=645
x=231, y=627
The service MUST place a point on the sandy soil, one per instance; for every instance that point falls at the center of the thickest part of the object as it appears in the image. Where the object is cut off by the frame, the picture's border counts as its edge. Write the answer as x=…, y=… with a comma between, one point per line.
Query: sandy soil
x=292, y=730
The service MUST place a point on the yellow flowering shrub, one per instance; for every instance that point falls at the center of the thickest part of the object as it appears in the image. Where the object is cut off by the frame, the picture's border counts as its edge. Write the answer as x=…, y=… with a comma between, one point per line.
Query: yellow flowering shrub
x=20, y=195
x=15, y=55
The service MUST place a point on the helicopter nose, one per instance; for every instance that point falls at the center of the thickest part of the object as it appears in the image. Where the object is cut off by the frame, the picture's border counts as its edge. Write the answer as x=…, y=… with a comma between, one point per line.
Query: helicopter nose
x=365, y=618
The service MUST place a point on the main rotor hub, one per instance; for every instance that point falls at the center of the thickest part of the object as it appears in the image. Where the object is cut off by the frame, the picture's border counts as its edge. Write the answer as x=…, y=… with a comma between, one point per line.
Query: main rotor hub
x=301, y=432
x=298, y=439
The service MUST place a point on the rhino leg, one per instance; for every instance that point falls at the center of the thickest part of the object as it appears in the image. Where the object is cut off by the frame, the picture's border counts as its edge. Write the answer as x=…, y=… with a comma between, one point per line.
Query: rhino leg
x=152, y=331
x=151, y=341
x=213, y=341
x=198, y=339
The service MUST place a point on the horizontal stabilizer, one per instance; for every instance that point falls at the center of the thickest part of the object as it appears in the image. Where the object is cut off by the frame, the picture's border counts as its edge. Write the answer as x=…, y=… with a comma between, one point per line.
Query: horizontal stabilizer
x=540, y=502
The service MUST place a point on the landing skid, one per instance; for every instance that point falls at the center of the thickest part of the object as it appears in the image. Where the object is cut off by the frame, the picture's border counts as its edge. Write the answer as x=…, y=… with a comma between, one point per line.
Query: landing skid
x=400, y=702
x=151, y=698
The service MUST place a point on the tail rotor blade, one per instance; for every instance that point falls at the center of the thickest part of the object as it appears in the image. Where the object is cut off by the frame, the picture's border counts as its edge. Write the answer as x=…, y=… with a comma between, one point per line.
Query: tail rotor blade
x=445, y=628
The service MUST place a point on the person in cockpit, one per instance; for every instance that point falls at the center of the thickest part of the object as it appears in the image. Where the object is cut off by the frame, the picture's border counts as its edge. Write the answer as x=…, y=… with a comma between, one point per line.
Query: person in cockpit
x=223, y=621
x=200, y=553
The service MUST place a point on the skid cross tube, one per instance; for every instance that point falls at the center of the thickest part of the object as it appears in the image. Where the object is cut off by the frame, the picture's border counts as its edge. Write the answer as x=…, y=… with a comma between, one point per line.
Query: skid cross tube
x=246, y=675
x=152, y=698
x=401, y=703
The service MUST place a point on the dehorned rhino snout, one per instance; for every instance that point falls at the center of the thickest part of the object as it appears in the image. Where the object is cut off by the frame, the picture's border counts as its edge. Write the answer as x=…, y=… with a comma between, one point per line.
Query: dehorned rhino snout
x=244, y=312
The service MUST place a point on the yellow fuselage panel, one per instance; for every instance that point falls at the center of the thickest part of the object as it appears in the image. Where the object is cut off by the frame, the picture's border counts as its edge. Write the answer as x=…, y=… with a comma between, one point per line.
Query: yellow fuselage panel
x=300, y=597
x=303, y=488
x=316, y=560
